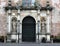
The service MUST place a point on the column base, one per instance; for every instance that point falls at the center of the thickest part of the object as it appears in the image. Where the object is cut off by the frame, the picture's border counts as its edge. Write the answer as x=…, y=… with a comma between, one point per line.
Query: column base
x=48, y=38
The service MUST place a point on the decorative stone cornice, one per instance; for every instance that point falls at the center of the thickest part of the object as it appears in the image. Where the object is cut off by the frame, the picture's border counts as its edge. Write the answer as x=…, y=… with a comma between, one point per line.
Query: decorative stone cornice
x=35, y=7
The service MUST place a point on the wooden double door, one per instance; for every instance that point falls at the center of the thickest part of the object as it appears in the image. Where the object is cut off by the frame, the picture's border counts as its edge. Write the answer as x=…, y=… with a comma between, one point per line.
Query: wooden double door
x=28, y=29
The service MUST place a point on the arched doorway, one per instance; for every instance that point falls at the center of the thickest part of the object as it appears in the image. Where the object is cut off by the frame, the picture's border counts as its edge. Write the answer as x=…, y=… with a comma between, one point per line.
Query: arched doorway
x=28, y=29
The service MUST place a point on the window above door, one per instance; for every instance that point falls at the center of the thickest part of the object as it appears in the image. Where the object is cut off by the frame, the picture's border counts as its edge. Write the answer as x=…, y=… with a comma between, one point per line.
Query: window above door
x=28, y=3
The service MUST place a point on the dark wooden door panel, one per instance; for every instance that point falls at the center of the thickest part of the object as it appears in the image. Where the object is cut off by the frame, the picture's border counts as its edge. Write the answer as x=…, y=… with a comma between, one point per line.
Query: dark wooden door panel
x=28, y=30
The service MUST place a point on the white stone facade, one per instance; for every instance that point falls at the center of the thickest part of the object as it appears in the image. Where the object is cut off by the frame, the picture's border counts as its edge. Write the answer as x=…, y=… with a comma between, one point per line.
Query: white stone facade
x=37, y=16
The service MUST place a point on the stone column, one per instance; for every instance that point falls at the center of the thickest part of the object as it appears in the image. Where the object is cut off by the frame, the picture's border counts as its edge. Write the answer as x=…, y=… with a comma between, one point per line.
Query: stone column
x=9, y=21
x=48, y=26
x=8, y=25
x=38, y=26
x=18, y=26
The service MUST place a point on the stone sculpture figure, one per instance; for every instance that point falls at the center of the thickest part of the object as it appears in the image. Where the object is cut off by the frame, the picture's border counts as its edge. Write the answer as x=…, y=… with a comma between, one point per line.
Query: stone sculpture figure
x=14, y=26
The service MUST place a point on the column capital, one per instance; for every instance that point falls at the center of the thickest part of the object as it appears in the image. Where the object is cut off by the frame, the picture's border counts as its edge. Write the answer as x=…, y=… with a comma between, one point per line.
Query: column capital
x=38, y=12
x=9, y=12
x=48, y=12
x=18, y=12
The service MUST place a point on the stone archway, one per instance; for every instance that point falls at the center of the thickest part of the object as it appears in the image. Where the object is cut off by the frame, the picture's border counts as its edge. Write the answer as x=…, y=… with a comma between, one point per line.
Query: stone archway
x=28, y=29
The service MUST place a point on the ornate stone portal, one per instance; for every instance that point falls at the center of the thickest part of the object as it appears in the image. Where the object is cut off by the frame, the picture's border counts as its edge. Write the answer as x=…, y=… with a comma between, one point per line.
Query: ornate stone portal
x=41, y=16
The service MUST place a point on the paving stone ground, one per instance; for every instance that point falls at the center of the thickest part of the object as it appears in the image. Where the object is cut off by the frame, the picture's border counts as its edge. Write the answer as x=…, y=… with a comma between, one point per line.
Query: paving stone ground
x=30, y=44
